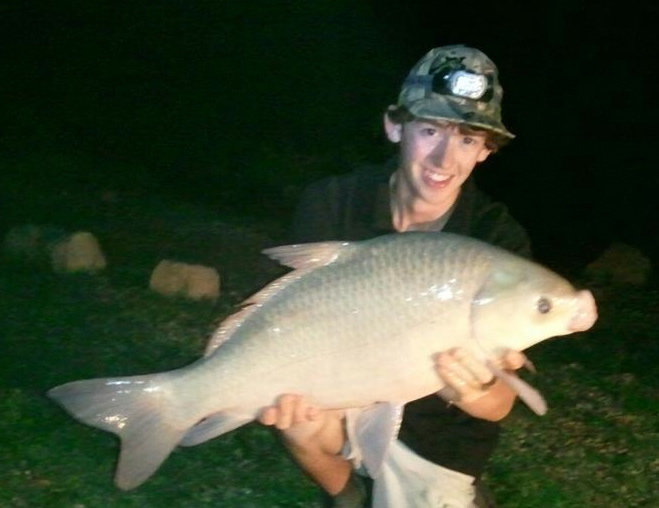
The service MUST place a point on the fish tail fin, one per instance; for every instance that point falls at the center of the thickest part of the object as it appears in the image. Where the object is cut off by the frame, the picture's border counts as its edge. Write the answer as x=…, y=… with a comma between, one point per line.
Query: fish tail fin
x=134, y=408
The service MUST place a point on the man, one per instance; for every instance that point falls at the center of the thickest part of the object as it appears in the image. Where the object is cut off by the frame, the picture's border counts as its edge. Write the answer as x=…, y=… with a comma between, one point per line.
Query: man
x=447, y=120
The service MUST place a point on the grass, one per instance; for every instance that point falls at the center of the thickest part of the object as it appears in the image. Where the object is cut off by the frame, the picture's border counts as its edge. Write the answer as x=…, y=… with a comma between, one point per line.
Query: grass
x=595, y=448
x=61, y=328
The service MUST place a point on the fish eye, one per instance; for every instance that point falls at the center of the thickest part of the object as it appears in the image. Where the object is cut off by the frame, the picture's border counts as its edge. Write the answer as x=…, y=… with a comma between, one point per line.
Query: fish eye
x=544, y=305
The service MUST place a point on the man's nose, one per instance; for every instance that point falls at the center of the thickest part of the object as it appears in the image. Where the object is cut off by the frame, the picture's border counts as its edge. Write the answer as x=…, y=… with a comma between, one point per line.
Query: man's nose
x=442, y=153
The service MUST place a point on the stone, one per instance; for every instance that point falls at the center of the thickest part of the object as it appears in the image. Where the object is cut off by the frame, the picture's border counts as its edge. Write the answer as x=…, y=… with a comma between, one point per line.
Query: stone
x=29, y=243
x=78, y=252
x=196, y=282
x=54, y=247
x=620, y=264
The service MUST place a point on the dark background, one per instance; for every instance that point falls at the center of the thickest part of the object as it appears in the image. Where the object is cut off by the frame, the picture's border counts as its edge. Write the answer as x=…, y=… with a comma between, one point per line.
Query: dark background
x=240, y=103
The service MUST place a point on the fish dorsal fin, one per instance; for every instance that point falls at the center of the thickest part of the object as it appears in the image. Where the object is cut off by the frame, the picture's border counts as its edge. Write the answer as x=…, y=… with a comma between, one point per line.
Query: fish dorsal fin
x=304, y=258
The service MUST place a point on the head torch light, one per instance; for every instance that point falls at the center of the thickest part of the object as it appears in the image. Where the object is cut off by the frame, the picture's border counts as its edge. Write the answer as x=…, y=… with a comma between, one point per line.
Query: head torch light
x=458, y=82
x=463, y=83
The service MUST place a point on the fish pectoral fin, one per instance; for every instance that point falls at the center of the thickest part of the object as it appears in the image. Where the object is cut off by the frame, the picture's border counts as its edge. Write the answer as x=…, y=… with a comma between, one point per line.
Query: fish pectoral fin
x=376, y=427
x=531, y=397
x=214, y=425
x=528, y=365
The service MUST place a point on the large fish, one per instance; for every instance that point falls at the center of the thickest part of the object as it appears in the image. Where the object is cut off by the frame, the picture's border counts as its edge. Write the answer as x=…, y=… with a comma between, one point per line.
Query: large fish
x=355, y=324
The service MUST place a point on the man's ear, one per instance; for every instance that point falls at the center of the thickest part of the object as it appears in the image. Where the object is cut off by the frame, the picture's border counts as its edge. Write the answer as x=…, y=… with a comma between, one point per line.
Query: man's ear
x=393, y=130
x=484, y=154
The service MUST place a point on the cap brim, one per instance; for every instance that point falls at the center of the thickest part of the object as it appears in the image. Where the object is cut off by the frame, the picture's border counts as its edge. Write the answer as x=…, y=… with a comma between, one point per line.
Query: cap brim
x=444, y=110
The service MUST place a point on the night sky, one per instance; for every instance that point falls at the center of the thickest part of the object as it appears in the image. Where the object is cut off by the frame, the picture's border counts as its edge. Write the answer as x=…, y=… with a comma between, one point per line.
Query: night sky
x=203, y=95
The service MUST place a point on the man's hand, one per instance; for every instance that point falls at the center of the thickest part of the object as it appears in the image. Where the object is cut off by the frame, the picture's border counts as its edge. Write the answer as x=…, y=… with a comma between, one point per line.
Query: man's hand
x=290, y=410
x=314, y=436
x=468, y=379
x=305, y=425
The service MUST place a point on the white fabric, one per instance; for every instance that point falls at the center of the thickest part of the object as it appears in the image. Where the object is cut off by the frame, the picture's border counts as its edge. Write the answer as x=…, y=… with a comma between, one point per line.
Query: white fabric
x=407, y=480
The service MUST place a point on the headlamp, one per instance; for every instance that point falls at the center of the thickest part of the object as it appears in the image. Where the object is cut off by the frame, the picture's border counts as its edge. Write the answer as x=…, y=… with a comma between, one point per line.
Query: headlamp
x=462, y=83
x=459, y=82
x=467, y=84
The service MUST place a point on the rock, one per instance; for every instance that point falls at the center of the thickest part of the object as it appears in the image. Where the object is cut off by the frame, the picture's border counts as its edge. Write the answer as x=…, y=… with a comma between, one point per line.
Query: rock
x=62, y=251
x=620, y=264
x=203, y=283
x=197, y=282
x=78, y=252
x=30, y=243
x=168, y=278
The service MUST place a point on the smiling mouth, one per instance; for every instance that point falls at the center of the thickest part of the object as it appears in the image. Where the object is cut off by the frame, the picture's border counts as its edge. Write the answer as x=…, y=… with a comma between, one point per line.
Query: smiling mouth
x=437, y=179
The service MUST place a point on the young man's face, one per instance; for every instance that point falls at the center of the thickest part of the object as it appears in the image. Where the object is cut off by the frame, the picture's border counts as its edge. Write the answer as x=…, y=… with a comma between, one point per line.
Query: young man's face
x=435, y=158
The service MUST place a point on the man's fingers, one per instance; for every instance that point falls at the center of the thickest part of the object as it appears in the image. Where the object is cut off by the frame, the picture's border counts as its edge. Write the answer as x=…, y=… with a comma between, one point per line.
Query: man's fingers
x=513, y=360
x=461, y=369
x=287, y=405
x=460, y=376
x=300, y=410
x=479, y=372
x=268, y=416
x=289, y=410
x=312, y=413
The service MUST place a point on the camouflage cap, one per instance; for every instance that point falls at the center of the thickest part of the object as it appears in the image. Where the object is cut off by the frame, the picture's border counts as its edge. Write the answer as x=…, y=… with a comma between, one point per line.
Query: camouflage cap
x=455, y=83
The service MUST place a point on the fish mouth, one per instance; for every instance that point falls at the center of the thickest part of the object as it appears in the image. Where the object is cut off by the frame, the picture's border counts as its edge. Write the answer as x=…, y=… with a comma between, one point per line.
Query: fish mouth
x=586, y=314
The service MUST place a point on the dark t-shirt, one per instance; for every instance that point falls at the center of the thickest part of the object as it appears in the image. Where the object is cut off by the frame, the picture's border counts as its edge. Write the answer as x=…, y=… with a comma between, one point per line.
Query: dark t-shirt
x=355, y=206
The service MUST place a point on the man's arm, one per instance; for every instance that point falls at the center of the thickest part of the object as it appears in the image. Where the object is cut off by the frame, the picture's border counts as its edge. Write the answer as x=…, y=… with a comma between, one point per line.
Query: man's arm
x=314, y=437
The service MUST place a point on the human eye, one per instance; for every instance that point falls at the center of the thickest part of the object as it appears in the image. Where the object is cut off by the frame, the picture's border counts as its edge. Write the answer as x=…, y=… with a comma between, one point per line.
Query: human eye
x=428, y=130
